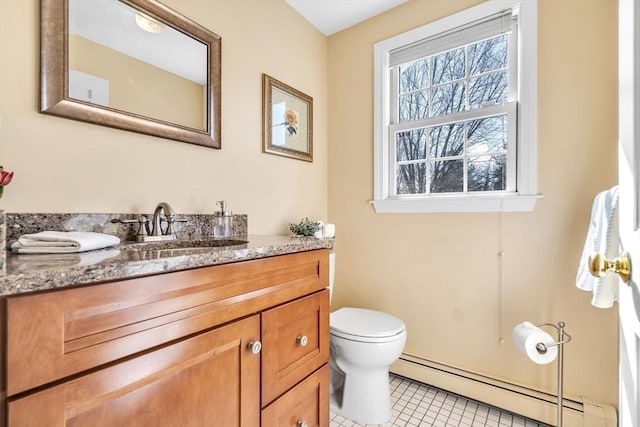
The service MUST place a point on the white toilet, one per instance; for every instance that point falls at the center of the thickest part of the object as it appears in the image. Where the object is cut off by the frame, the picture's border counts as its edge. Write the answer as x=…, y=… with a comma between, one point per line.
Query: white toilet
x=363, y=345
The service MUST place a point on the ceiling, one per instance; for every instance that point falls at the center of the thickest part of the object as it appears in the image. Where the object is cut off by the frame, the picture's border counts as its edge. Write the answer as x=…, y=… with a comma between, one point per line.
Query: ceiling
x=331, y=16
x=111, y=23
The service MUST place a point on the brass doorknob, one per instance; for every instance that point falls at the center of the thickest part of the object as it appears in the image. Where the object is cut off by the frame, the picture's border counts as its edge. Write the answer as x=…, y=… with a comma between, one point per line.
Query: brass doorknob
x=599, y=265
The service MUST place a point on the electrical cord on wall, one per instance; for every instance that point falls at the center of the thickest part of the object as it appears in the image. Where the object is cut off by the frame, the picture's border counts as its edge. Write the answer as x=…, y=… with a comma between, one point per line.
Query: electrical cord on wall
x=500, y=273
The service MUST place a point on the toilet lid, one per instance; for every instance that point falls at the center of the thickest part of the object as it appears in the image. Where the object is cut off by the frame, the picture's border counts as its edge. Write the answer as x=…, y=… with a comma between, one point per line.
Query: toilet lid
x=365, y=323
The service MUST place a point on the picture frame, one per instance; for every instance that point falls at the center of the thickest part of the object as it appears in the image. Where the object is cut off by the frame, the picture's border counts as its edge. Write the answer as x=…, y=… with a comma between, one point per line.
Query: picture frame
x=287, y=120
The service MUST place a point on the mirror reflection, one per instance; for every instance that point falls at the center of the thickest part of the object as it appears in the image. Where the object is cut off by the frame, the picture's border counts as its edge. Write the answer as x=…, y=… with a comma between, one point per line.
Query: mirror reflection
x=122, y=58
x=131, y=64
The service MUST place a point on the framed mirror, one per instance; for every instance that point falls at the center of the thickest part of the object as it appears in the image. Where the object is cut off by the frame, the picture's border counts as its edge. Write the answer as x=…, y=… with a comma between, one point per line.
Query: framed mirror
x=287, y=121
x=131, y=64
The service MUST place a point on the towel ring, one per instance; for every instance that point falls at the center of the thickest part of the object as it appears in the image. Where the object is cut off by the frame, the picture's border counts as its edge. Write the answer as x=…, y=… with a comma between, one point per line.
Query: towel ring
x=599, y=265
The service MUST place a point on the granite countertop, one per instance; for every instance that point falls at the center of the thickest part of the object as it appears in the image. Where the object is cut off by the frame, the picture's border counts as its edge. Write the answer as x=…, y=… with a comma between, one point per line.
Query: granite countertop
x=39, y=272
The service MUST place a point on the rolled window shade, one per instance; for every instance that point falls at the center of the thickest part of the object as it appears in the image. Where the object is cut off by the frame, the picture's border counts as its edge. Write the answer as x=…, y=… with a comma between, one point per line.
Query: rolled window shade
x=491, y=26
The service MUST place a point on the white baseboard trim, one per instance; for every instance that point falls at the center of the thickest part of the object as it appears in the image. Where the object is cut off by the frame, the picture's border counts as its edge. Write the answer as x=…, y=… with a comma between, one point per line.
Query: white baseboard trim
x=534, y=404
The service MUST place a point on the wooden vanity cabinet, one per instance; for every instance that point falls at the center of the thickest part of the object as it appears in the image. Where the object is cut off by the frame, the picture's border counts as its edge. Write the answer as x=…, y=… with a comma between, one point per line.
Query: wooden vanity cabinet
x=210, y=379
x=178, y=349
x=295, y=339
x=307, y=402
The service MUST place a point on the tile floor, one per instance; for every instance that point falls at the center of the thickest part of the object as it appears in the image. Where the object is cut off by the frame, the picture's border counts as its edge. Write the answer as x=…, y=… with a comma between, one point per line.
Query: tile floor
x=419, y=405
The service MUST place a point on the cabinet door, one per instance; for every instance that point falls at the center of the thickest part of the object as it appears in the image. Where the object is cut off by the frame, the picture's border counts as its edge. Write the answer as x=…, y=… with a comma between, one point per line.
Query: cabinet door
x=295, y=338
x=54, y=335
x=307, y=402
x=212, y=379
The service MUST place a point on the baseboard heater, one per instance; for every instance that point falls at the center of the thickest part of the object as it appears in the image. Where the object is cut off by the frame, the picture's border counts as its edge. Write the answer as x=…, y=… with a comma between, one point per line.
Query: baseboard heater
x=528, y=402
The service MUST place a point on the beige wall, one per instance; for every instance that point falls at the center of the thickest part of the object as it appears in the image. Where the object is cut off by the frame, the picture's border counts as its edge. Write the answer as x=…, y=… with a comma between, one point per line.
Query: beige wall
x=66, y=166
x=441, y=273
x=139, y=87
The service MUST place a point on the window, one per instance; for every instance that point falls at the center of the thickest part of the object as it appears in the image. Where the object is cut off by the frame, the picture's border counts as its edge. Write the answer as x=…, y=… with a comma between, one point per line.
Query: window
x=455, y=114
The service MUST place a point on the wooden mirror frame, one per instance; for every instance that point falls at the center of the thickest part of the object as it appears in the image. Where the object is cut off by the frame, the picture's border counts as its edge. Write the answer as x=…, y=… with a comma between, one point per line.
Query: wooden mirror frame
x=54, y=77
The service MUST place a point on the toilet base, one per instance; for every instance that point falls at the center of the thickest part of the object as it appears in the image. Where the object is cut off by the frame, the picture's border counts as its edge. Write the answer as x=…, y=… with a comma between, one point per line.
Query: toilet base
x=365, y=397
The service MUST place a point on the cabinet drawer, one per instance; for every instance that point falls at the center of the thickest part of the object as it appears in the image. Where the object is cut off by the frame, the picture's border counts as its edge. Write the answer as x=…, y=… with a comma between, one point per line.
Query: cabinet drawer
x=295, y=339
x=51, y=336
x=308, y=401
x=211, y=379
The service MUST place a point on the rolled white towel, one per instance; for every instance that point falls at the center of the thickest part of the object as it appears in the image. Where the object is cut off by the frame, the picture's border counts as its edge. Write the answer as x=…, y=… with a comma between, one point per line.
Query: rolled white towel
x=318, y=234
x=55, y=242
x=329, y=230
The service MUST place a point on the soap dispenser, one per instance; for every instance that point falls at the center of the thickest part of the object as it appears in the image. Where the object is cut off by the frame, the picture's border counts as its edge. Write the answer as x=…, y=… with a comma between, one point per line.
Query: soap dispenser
x=222, y=221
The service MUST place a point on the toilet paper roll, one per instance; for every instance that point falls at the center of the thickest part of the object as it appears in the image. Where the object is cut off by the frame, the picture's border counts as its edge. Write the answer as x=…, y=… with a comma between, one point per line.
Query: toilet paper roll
x=329, y=230
x=526, y=335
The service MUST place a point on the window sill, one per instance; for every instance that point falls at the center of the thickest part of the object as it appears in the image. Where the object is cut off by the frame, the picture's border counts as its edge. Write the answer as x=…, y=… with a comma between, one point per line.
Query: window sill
x=459, y=204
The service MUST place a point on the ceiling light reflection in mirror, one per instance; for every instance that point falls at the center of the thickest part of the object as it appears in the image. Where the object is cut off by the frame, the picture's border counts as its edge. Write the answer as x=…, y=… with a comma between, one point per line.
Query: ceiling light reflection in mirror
x=122, y=59
x=148, y=24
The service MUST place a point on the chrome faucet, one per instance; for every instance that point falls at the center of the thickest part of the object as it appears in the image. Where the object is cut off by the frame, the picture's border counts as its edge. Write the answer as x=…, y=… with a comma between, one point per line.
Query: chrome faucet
x=154, y=233
x=156, y=230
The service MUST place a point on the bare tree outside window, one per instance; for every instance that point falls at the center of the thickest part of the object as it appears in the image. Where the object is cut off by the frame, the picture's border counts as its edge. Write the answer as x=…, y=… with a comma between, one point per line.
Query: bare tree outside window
x=460, y=155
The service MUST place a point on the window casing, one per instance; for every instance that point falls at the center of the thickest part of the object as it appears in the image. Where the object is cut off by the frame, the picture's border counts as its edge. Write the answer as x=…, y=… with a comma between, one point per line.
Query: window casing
x=455, y=113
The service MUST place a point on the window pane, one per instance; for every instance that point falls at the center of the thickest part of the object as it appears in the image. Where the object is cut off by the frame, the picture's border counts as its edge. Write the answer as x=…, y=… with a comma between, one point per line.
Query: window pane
x=448, y=66
x=448, y=99
x=446, y=140
x=411, y=145
x=413, y=106
x=487, y=173
x=488, y=88
x=447, y=176
x=488, y=55
x=411, y=179
x=414, y=76
x=487, y=135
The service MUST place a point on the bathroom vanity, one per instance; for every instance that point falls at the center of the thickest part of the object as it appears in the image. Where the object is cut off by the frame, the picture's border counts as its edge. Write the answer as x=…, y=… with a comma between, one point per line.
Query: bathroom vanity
x=242, y=342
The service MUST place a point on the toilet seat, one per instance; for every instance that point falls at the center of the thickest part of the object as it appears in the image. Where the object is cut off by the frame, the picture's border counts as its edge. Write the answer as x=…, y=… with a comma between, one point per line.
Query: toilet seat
x=359, y=324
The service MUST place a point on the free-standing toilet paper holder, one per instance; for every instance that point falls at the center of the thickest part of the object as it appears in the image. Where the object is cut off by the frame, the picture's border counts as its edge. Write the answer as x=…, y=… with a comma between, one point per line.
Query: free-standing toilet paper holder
x=541, y=348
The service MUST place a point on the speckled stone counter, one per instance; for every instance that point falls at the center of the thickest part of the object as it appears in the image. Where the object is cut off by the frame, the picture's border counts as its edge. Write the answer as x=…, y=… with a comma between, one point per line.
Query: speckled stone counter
x=41, y=272
x=28, y=273
x=189, y=226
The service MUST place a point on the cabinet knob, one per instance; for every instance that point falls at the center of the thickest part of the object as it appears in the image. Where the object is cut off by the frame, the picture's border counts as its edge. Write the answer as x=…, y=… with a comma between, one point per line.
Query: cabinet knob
x=302, y=340
x=302, y=423
x=255, y=347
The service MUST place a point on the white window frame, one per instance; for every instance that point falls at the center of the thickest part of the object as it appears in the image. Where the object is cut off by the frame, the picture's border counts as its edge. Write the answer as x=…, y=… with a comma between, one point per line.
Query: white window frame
x=525, y=195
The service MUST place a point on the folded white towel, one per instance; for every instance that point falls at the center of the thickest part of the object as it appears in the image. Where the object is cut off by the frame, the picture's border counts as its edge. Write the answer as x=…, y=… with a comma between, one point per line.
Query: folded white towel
x=602, y=237
x=36, y=262
x=55, y=242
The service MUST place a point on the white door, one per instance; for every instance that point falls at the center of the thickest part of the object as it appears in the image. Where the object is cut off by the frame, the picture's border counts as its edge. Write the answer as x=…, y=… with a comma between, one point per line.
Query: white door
x=629, y=179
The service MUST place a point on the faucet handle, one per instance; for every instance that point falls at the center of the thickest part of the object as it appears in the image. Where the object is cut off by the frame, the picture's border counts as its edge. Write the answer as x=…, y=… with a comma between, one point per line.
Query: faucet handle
x=171, y=219
x=142, y=228
x=123, y=221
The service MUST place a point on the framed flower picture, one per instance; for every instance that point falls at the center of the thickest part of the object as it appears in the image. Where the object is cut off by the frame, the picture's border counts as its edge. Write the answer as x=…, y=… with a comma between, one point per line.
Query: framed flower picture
x=287, y=120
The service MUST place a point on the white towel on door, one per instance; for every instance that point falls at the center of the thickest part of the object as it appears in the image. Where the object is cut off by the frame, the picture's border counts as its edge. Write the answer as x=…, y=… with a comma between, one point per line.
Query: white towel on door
x=56, y=242
x=602, y=237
